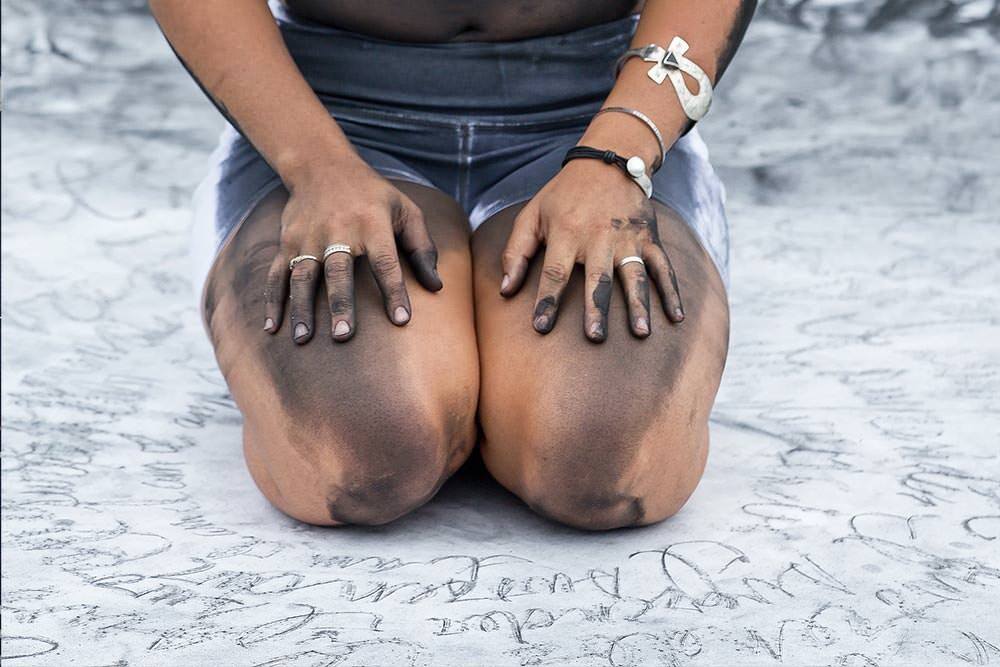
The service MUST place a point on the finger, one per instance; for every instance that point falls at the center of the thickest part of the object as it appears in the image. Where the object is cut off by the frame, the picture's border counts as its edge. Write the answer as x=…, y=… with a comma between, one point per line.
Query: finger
x=302, y=301
x=597, y=297
x=557, y=268
x=420, y=249
x=662, y=272
x=339, y=273
x=636, y=287
x=521, y=247
x=384, y=263
x=276, y=292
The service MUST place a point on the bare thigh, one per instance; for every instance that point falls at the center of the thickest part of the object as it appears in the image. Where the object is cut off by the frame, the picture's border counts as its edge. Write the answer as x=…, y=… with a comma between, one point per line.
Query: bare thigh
x=598, y=435
x=356, y=432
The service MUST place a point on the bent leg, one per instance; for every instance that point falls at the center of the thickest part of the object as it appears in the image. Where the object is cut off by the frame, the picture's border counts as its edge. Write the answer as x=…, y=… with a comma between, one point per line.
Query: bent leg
x=598, y=435
x=356, y=432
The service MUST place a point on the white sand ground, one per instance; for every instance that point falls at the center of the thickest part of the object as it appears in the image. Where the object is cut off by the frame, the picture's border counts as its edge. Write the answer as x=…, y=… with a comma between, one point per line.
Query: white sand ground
x=850, y=514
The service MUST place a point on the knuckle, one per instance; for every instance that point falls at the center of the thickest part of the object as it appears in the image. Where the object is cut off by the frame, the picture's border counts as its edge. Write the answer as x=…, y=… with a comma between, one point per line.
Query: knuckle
x=279, y=264
x=599, y=276
x=337, y=271
x=303, y=277
x=655, y=263
x=272, y=287
x=368, y=219
x=385, y=262
x=523, y=224
x=509, y=257
x=412, y=215
x=397, y=293
x=526, y=216
x=341, y=304
x=556, y=272
x=289, y=237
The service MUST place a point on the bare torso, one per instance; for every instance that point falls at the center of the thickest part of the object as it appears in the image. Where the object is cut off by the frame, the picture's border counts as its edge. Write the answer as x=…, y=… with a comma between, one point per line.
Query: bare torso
x=461, y=20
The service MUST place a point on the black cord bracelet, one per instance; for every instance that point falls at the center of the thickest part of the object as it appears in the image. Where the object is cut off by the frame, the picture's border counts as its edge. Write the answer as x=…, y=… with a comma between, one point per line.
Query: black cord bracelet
x=639, y=176
x=586, y=152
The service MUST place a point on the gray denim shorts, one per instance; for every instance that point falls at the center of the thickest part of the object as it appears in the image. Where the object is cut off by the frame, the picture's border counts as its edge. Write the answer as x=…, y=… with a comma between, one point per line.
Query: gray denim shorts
x=485, y=122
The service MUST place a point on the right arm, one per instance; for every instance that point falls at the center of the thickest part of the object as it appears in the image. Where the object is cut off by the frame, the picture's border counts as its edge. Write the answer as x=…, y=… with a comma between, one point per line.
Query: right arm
x=234, y=51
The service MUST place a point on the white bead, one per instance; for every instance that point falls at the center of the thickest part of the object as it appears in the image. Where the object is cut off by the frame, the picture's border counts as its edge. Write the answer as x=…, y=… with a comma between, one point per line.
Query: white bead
x=635, y=166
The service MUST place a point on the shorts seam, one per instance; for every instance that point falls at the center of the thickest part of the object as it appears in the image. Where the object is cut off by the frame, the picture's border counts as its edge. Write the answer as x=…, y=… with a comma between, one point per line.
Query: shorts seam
x=393, y=119
x=497, y=206
x=396, y=174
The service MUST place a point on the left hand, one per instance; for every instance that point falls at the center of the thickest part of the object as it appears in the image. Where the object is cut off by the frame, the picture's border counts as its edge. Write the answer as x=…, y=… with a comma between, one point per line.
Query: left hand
x=591, y=213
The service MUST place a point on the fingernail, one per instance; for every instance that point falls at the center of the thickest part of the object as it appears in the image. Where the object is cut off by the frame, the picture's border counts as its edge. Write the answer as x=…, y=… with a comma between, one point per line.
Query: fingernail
x=505, y=283
x=641, y=325
x=268, y=324
x=400, y=315
x=301, y=330
x=596, y=330
x=678, y=313
x=342, y=328
x=541, y=323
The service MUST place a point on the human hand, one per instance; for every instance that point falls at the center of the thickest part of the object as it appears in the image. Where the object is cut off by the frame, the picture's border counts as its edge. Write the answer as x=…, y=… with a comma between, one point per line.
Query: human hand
x=345, y=202
x=591, y=213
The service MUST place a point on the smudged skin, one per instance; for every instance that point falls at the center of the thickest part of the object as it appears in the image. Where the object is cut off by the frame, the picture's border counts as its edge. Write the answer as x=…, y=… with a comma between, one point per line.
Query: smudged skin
x=377, y=218
x=367, y=433
x=600, y=436
x=361, y=431
x=591, y=231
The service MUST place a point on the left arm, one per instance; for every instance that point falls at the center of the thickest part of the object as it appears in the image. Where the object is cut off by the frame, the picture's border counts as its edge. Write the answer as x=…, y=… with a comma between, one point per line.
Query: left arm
x=591, y=213
x=714, y=36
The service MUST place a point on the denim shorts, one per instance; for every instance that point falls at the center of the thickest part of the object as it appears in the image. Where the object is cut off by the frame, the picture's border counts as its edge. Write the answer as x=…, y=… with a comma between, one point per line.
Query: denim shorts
x=488, y=123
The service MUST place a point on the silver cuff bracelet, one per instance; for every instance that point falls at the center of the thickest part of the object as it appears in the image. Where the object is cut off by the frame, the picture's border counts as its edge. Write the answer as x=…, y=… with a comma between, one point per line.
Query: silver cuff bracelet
x=669, y=63
x=635, y=113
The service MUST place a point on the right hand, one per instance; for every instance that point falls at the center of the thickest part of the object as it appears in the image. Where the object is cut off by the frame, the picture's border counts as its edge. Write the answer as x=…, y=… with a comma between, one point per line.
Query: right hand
x=346, y=202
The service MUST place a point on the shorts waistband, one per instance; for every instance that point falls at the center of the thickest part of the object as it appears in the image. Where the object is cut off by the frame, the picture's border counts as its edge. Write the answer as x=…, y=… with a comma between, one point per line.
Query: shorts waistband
x=537, y=78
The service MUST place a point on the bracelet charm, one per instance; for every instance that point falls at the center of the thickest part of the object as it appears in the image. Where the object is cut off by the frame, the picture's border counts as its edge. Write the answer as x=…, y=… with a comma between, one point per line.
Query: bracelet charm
x=633, y=167
x=668, y=64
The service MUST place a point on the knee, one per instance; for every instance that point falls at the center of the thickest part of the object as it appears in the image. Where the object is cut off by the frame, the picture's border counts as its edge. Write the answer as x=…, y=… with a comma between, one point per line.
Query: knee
x=363, y=474
x=376, y=490
x=602, y=483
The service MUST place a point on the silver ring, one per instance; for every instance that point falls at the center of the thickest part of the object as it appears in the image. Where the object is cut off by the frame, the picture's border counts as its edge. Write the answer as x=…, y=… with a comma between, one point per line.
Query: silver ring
x=301, y=258
x=337, y=247
x=629, y=260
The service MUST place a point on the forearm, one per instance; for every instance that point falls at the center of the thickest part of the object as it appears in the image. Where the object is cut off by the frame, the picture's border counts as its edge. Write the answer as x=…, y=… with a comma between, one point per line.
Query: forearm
x=234, y=51
x=714, y=32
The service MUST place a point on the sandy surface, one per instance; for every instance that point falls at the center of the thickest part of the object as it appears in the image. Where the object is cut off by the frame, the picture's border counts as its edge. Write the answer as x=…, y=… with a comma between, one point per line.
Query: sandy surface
x=850, y=514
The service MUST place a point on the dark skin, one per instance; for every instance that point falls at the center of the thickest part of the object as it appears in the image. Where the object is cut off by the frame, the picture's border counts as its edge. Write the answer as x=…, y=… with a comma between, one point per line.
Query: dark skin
x=606, y=435
x=598, y=237
x=380, y=218
x=366, y=428
x=461, y=20
x=566, y=216
x=362, y=431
